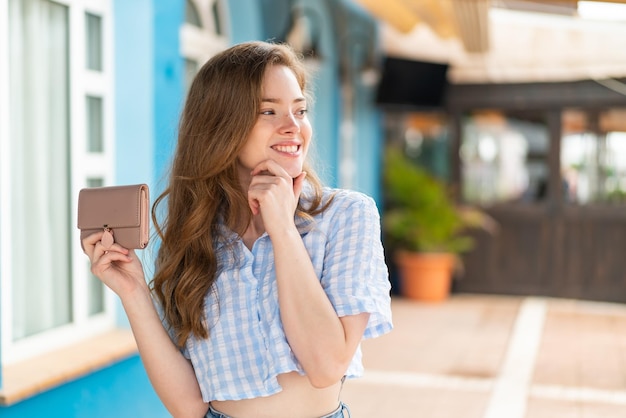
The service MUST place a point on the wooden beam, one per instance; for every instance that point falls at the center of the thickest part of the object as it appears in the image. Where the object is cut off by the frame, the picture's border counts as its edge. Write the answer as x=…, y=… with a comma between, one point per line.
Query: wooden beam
x=437, y=14
x=393, y=12
x=472, y=20
x=610, y=1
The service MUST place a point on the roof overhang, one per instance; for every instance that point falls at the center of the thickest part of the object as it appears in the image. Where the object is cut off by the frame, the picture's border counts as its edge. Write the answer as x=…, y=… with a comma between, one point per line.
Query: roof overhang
x=503, y=40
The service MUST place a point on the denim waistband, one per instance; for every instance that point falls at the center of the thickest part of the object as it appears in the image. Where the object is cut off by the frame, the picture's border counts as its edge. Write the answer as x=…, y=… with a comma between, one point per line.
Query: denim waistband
x=342, y=411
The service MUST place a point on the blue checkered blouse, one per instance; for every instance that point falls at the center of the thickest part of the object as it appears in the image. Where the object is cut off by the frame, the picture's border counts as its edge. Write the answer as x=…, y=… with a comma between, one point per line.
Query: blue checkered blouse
x=247, y=347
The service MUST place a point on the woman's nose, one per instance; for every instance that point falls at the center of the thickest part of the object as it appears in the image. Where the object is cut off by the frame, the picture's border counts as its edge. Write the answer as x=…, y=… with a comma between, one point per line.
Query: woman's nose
x=290, y=123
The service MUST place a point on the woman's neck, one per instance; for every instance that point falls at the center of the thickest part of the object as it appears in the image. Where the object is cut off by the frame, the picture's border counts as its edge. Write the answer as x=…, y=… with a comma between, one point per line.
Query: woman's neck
x=254, y=231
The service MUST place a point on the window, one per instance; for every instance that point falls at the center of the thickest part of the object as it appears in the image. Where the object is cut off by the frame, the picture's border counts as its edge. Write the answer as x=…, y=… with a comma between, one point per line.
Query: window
x=424, y=138
x=202, y=35
x=504, y=157
x=55, y=139
x=593, y=156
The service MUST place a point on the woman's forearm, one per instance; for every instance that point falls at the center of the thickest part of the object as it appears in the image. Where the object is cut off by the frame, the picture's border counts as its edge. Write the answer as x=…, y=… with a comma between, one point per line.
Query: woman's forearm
x=323, y=343
x=170, y=373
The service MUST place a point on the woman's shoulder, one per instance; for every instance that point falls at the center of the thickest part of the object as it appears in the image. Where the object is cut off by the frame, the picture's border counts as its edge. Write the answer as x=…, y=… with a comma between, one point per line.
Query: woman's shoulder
x=344, y=198
x=338, y=203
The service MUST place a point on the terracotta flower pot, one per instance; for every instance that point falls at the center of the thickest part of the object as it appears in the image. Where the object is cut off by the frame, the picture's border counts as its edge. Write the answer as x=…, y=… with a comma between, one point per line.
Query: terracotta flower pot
x=425, y=276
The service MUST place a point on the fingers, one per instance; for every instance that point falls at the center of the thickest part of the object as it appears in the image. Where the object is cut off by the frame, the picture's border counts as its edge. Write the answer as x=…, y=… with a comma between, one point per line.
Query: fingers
x=95, y=249
x=89, y=243
x=100, y=249
x=112, y=264
x=254, y=204
x=298, y=183
x=270, y=182
x=116, y=266
x=273, y=192
x=271, y=168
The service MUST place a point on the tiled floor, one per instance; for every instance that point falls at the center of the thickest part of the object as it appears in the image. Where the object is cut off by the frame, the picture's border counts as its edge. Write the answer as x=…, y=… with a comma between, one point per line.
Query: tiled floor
x=479, y=356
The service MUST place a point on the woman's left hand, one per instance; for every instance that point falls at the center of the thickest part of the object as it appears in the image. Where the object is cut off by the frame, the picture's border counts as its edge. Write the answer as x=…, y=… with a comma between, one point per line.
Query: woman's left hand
x=274, y=194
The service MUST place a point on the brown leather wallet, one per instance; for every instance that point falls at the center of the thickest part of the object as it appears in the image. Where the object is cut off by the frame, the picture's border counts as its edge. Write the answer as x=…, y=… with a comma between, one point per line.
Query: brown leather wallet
x=121, y=211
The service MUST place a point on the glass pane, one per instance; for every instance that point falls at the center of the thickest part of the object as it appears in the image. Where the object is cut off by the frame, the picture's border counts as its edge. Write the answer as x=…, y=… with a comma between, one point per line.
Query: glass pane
x=96, y=295
x=95, y=134
x=94, y=42
x=593, y=156
x=95, y=287
x=95, y=182
x=39, y=131
x=191, y=68
x=424, y=138
x=216, y=17
x=426, y=142
x=504, y=158
x=191, y=14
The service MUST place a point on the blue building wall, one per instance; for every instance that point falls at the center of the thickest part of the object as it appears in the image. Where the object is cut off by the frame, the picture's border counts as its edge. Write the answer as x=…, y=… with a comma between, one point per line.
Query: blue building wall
x=359, y=51
x=149, y=97
x=245, y=20
x=134, y=90
x=326, y=109
x=167, y=69
x=121, y=391
x=134, y=38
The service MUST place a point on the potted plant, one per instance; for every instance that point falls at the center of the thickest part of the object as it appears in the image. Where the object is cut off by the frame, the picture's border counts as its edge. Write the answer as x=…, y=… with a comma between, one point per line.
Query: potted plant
x=424, y=228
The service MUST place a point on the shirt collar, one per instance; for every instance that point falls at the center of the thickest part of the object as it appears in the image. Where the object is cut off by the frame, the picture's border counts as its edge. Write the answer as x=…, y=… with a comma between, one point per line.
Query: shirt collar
x=226, y=236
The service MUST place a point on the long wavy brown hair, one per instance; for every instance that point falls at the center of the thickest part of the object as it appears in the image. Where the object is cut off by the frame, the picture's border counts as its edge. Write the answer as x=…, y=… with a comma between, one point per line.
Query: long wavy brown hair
x=204, y=190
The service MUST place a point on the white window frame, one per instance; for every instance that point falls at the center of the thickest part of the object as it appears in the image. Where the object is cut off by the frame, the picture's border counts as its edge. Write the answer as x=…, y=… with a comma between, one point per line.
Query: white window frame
x=200, y=44
x=83, y=166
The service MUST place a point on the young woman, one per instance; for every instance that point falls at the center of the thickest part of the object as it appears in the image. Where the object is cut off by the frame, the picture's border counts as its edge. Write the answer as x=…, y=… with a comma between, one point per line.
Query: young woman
x=266, y=282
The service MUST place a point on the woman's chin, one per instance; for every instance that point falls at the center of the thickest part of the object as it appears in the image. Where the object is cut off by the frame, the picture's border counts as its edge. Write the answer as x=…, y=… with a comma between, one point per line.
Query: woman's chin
x=293, y=171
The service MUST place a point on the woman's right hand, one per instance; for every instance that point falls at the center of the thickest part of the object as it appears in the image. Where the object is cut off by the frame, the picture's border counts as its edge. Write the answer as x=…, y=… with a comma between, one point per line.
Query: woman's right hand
x=171, y=374
x=117, y=267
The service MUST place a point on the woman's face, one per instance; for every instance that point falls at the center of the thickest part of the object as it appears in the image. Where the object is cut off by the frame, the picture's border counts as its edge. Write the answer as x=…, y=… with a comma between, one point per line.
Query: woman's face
x=282, y=131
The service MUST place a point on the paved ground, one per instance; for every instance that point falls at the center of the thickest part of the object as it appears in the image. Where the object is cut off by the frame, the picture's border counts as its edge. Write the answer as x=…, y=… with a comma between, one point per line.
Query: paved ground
x=495, y=357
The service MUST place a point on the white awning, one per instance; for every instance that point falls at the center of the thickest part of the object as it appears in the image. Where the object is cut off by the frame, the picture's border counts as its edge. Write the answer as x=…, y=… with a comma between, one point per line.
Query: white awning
x=521, y=46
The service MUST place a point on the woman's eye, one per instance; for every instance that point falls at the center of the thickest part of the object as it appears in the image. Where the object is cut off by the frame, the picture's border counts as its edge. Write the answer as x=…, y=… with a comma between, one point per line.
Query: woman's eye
x=300, y=112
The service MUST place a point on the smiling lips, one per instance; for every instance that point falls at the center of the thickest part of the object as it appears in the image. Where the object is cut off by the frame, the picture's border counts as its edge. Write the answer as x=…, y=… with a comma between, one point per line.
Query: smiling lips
x=289, y=149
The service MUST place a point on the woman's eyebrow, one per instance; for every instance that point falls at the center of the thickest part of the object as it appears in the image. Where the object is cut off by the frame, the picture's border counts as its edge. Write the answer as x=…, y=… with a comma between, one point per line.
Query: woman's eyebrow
x=272, y=100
